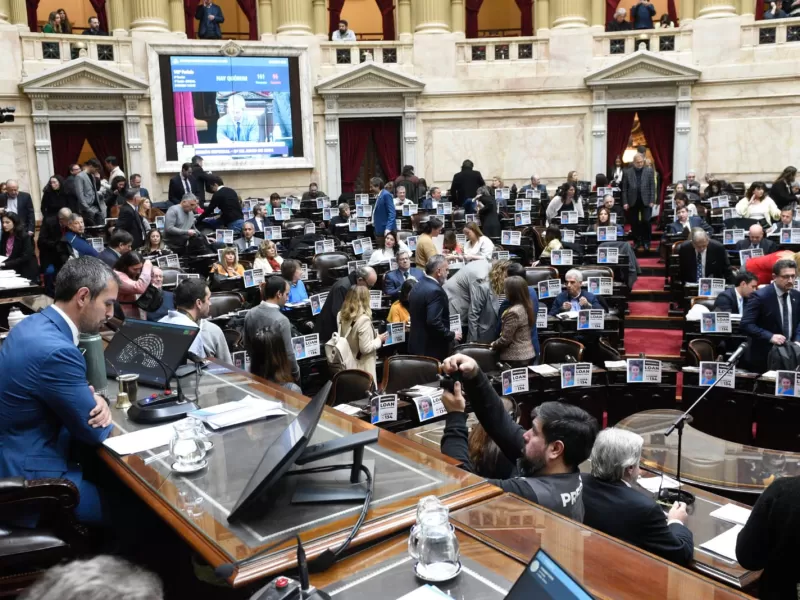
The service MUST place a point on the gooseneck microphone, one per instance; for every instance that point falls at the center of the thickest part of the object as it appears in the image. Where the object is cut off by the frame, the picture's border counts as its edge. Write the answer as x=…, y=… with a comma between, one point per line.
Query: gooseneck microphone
x=737, y=354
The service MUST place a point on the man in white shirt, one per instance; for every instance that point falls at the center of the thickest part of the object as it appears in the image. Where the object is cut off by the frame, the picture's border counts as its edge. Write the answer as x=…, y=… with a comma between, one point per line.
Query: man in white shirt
x=192, y=303
x=733, y=300
x=343, y=34
x=112, y=166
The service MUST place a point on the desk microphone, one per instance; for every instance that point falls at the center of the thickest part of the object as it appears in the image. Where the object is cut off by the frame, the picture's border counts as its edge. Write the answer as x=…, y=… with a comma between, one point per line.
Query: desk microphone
x=737, y=354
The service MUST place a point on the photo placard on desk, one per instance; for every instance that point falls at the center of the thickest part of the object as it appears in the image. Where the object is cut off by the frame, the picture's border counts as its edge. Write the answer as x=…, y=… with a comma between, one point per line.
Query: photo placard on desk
x=576, y=375
x=591, y=319
x=472, y=218
x=410, y=210
x=613, y=218
x=97, y=244
x=247, y=213
x=224, y=235
x=602, y=192
x=522, y=218
x=607, y=234
x=644, y=370
x=715, y=322
x=326, y=214
x=306, y=346
x=510, y=238
x=392, y=264
x=710, y=287
x=461, y=238
x=323, y=203
x=607, y=256
x=161, y=222
x=429, y=407
x=358, y=247
x=501, y=255
x=253, y=277
x=533, y=194
x=569, y=217
x=375, y=297
x=303, y=272
x=710, y=371
x=444, y=208
x=281, y=214
x=514, y=381
x=293, y=203
x=324, y=246
x=602, y=286
x=549, y=288
x=317, y=302
x=354, y=264
x=719, y=202
x=241, y=360
x=728, y=213
x=362, y=199
x=411, y=242
x=561, y=257
x=455, y=324
x=786, y=383
x=745, y=255
x=309, y=228
x=383, y=408
x=541, y=318
x=502, y=193
x=397, y=333
x=522, y=205
x=568, y=236
x=790, y=236
x=731, y=236
x=174, y=261
x=272, y=233
x=182, y=276
x=363, y=211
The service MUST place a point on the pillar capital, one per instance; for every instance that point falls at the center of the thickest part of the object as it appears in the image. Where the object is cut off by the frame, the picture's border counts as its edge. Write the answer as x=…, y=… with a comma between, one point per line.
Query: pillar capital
x=294, y=17
x=432, y=16
x=149, y=15
x=569, y=14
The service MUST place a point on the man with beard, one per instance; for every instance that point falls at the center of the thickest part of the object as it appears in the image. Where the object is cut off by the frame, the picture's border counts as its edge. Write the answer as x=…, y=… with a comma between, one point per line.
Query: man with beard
x=192, y=300
x=547, y=455
x=47, y=408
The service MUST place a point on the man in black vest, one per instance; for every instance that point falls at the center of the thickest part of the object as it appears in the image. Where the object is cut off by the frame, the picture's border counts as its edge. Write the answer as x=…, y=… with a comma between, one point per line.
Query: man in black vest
x=547, y=455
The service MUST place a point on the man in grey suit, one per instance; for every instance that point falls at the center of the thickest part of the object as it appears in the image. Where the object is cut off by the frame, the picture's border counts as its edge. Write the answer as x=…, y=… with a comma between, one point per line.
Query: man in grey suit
x=92, y=207
x=459, y=288
x=638, y=197
x=268, y=315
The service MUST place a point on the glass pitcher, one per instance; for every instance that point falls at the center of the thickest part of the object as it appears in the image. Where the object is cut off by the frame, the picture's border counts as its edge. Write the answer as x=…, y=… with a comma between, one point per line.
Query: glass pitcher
x=438, y=547
x=428, y=504
x=186, y=448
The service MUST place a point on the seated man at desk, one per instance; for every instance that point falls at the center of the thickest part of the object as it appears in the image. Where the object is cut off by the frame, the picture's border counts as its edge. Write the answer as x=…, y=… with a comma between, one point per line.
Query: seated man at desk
x=248, y=242
x=755, y=239
x=548, y=454
x=615, y=508
x=787, y=221
x=733, y=300
x=614, y=208
x=685, y=223
x=574, y=298
x=702, y=257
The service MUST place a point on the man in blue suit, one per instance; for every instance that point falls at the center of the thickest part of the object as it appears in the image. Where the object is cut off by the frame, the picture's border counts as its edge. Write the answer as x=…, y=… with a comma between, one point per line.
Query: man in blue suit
x=394, y=280
x=210, y=17
x=772, y=315
x=574, y=298
x=685, y=223
x=428, y=308
x=734, y=300
x=383, y=215
x=80, y=247
x=47, y=405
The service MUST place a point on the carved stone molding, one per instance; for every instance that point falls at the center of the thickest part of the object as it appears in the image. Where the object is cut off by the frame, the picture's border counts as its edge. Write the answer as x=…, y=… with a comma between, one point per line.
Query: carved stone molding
x=231, y=49
x=77, y=106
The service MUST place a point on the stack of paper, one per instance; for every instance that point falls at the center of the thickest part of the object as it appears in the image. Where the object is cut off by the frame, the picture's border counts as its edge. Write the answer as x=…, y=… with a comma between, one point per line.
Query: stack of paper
x=544, y=370
x=731, y=513
x=616, y=364
x=142, y=440
x=242, y=411
x=653, y=484
x=724, y=544
x=347, y=409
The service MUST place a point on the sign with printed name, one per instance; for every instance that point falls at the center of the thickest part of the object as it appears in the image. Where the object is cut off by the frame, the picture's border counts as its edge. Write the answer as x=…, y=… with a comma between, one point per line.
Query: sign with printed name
x=182, y=276
x=471, y=218
x=568, y=236
x=326, y=214
x=745, y=255
x=97, y=244
x=410, y=210
x=514, y=381
x=358, y=224
x=310, y=228
x=383, y=408
x=461, y=238
x=511, y=238
x=728, y=213
x=541, y=318
x=715, y=322
x=272, y=233
x=248, y=204
x=392, y=264
x=607, y=256
x=533, y=194
x=444, y=208
x=225, y=236
x=366, y=243
x=253, y=277
x=375, y=298
x=323, y=202
x=522, y=218
x=606, y=234
x=354, y=264
x=731, y=236
x=282, y=214
x=241, y=360
x=790, y=236
x=397, y=333
x=576, y=375
x=455, y=324
x=358, y=247
x=362, y=199
x=603, y=286
x=173, y=261
x=602, y=193
x=786, y=383
x=324, y=246
x=643, y=370
x=411, y=242
x=569, y=217
x=294, y=203
x=363, y=211
x=711, y=371
x=161, y=261
x=613, y=218
x=591, y=319
x=561, y=257
x=303, y=272
x=549, y=288
x=429, y=407
x=710, y=287
x=719, y=202
x=306, y=346
x=317, y=302
x=501, y=255
x=161, y=222
x=502, y=193
x=522, y=205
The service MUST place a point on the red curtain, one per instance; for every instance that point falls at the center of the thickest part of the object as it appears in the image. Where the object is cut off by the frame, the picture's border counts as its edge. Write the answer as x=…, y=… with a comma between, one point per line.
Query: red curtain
x=335, y=13
x=99, y=7
x=618, y=132
x=759, y=10
x=672, y=10
x=611, y=8
x=249, y=9
x=106, y=140
x=33, y=20
x=387, y=142
x=387, y=15
x=353, y=138
x=189, y=8
x=66, y=139
x=526, y=16
x=658, y=127
x=184, y=118
x=473, y=8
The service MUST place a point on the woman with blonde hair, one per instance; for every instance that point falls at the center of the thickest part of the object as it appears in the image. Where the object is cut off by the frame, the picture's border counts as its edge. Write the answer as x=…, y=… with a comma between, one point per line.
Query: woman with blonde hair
x=354, y=323
x=53, y=24
x=267, y=258
x=229, y=266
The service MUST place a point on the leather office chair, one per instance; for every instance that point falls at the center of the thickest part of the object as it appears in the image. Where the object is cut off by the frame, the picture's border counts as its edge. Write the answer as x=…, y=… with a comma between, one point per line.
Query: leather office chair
x=225, y=302
x=296, y=223
x=704, y=301
x=233, y=338
x=595, y=272
x=537, y=237
x=326, y=261
x=556, y=350
x=701, y=350
x=533, y=275
x=171, y=276
x=403, y=235
x=483, y=354
x=405, y=371
x=349, y=385
x=605, y=351
x=459, y=216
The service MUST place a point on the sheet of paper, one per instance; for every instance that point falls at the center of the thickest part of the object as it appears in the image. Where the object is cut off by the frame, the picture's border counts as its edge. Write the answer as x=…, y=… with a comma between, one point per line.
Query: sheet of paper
x=347, y=409
x=142, y=440
x=616, y=364
x=424, y=389
x=770, y=375
x=737, y=515
x=653, y=484
x=245, y=410
x=545, y=369
x=426, y=592
x=724, y=544
x=570, y=314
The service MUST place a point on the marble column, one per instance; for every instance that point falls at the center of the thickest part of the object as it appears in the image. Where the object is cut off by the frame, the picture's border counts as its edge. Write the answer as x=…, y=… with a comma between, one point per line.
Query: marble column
x=598, y=14
x=542, y=21
x=683, y=128
x=432, y=16
x=293, y=17
x=569, y=14
x=686, y=11
x=715, y=8
x=410, y=130
x=5, y=12
x=457, y=16
x=599, y=131
x=19, y=14
x=265, y=17
x=333, y=159
x=118, y=18
x=149, y=15
x=177, y=18
x=320, y=19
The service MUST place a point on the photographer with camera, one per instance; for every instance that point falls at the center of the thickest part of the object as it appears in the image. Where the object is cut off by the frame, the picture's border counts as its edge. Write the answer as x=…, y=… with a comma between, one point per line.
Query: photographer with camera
x=547, y=455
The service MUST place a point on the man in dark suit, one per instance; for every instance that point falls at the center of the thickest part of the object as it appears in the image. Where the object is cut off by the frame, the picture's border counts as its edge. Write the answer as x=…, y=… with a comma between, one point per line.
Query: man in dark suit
x=53, y=229
x=200, y=175
x=757, y=240
x=94, y=28
x=119, y=244
x=180, y=185
x=638, y=196
x=131, y=221
x=210, y=18
x=21, y=203
x=227, y=201
x=394, y=280
x=713, y=258
x=465, y=184
x=685, y=224
x=136, y=183
x=734, y=300
x=608, y=493
x=787, y=220
x=428, y=308
x=326, y=322
x=574, y=297
x=772, y=315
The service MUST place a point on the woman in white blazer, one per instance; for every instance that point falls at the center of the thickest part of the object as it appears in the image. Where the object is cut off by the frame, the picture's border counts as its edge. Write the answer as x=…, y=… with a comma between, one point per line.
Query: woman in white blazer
x=757, y=205
x=478, y=246
x=268, y=258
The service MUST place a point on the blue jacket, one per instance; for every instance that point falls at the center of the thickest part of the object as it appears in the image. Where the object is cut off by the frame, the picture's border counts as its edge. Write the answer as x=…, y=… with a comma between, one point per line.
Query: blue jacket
x=534, y=333
x=167, y=305
x=642, y=15
x=297, y=293
x=555, y=308
x=383, y=215
x=394, y=280
x=79, y=244
x=209, y=29
x=45, y=406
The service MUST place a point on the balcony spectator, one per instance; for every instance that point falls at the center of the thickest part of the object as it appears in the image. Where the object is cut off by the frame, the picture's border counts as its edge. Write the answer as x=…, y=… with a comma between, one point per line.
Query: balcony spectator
x=343, y=34
x=642, y=14
x=618, y=23
x=94, y=27
x=210, y=17
x=774, y=12
x=66, y=26
x=665, y=23
x=53, y=24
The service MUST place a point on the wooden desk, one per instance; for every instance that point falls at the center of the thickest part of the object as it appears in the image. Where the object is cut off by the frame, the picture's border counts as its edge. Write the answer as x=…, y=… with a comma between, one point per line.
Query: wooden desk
x=403, y=474
x=607, y=567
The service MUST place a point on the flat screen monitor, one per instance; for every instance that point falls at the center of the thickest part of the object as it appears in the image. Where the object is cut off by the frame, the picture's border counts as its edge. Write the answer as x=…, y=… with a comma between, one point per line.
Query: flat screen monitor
x=282, y=453
x=546, y=580
x=168, y=342
x=231, y=108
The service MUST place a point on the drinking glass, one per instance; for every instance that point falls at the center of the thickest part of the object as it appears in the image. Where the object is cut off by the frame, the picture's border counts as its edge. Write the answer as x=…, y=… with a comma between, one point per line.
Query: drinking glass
x=186, y=448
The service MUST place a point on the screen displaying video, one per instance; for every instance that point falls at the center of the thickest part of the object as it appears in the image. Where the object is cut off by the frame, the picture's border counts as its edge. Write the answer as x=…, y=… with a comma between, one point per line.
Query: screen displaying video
x=231, y=107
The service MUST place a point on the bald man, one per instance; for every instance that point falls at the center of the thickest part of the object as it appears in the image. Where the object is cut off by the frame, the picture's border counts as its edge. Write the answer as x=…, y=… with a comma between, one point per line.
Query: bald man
x=755, y=239
x=236, y=125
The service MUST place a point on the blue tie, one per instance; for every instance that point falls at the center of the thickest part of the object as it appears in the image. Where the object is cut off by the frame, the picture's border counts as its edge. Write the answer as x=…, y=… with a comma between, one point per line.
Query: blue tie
x=238, y=132
x=699, y=266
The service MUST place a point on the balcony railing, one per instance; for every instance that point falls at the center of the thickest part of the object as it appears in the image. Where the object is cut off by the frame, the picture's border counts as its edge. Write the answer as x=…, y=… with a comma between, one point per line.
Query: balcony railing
x=388, y=53
x=502, y=49
x=45, y=49
x=655, y=40
x=772, y=32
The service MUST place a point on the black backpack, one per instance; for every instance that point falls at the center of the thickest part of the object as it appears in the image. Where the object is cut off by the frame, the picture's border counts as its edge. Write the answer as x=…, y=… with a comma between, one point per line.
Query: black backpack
x=784, y=358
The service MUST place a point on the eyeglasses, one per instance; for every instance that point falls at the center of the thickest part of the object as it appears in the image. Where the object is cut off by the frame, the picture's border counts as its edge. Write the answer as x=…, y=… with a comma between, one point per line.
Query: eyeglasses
x=792, y=276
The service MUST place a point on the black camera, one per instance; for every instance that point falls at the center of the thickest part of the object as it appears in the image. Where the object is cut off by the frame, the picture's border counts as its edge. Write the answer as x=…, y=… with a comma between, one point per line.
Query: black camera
x=448, y=382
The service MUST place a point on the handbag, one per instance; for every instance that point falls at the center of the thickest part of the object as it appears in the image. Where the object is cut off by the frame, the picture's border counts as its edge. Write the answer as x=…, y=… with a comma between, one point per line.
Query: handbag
x=151, y=299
